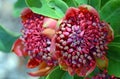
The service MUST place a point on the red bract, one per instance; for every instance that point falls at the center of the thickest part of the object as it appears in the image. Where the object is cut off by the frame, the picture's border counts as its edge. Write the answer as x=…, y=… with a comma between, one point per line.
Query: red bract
x=18, y=48
x=37, y=34
x=81, y=41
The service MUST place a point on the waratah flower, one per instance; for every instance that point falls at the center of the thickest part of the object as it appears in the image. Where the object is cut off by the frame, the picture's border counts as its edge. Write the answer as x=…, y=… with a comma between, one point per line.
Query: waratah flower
x=36, y=41
x=103, y=75
x=81, y=41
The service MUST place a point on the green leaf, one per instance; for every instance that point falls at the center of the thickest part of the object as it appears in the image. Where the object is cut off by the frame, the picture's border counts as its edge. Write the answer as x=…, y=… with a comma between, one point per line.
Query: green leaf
x=103, y=2
x=114, y=67
x=7, y=39
x=43, y=7
x=70, y=3
x=95, y=3
x=2, y=47
x=18, y=7
x=80, y=2
x=110, y=12
x=42, y=77
x=60, y=4
x=114, y=43
x=110, y=7
x=67, y=76
x=114, y=52
x=117, y=39
x=96, y=71
x=57, y=73
x=114, y=57
x=114, y=21
x=77, y=77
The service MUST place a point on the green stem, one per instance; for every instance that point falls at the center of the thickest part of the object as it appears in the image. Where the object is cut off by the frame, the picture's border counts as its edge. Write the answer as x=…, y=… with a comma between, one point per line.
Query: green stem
x=99, y=5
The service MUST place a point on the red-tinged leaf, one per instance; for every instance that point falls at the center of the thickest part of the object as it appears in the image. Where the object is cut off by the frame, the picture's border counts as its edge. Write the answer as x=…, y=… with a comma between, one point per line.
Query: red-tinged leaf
x=102, y=62
x=42, y=65
x=18, y=48
x=32, y=63
x=42, y=72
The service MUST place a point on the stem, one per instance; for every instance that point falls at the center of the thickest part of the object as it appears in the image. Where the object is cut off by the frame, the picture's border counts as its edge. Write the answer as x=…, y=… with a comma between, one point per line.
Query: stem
x=99, y=5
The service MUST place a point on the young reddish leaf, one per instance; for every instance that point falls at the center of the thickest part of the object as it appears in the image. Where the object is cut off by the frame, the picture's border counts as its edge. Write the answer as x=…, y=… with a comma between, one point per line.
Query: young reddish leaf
x=41, y=72
x=18, y=48
x=32, y=63
x=44, y=70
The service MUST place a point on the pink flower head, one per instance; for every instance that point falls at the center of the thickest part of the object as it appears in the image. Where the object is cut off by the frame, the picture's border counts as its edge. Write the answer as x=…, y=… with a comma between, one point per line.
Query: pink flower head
x=81, y=41
x=36, y=40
